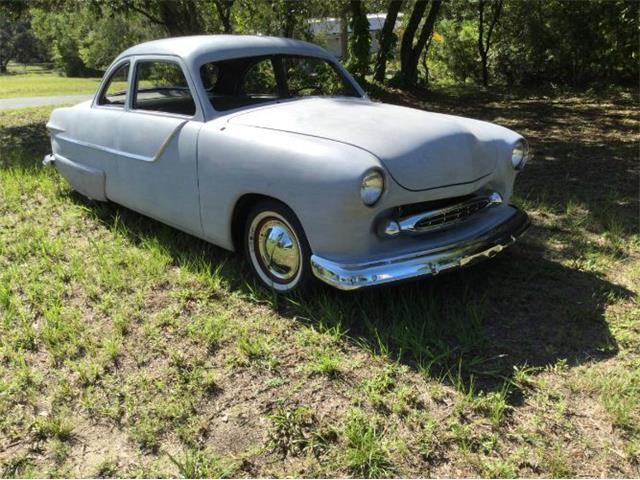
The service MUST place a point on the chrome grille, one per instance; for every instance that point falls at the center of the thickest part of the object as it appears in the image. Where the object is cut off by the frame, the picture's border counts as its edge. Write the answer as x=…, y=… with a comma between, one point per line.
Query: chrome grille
x=456, y=213
x=445, y=216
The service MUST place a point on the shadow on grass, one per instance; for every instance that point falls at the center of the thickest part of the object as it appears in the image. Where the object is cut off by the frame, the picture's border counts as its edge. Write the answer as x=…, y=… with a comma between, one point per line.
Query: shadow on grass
x=470, y=327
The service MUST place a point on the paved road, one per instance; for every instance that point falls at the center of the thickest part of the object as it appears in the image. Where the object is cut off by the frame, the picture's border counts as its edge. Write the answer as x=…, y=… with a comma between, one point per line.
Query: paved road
x=19, y=102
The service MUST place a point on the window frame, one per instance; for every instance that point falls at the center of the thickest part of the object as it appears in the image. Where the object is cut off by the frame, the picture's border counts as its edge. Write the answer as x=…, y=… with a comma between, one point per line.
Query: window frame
x=276, y=58
x=106, y=82
x=133, y=87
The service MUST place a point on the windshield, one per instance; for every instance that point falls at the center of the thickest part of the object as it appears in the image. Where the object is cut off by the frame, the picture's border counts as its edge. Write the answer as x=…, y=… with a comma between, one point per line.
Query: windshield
x=241, y=82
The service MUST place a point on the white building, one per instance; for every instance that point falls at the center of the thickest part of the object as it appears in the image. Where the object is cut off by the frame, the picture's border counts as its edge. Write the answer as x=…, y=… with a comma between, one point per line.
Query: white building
x=327, y=31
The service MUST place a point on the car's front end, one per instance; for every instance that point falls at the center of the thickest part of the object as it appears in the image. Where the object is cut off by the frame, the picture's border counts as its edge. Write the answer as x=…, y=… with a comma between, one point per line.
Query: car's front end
x=434, y=194
x=414, y=234
x=427, y=238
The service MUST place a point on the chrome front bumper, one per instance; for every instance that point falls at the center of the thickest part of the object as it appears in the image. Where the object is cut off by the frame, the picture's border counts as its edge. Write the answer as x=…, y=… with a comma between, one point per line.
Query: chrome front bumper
x=418, y=264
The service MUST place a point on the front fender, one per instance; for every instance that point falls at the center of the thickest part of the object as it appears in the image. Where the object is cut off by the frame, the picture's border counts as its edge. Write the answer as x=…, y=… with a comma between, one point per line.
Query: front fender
x=317, y=178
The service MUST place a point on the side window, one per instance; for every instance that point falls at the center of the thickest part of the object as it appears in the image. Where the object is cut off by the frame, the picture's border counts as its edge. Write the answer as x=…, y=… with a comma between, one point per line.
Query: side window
x=115, y=92
x=260, y=80
x=160, y=86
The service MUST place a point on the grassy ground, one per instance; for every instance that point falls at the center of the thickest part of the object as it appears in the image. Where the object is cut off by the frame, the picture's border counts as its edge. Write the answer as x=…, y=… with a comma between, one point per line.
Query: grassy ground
x=34, y=81
x=130, y=349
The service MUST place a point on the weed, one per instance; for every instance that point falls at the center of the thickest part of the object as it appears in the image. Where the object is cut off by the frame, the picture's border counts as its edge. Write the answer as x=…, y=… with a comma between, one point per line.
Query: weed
x=253, y=347
x=325, y=363
x=366, y=453
x=494, y=404
x=498, y=469
x=107, y=468
x=201, y=464
x=428, y=439
x=211, y=330
x=58, y=426
x=558, y=464
x=291, y=428
x=16, y=467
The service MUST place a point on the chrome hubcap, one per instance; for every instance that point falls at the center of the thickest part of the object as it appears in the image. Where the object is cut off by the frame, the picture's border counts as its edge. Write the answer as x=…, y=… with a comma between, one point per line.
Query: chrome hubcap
x=278, y=250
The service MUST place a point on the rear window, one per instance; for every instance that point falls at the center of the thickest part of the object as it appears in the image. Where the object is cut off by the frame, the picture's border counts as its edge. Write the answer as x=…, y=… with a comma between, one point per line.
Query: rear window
x=242, y=82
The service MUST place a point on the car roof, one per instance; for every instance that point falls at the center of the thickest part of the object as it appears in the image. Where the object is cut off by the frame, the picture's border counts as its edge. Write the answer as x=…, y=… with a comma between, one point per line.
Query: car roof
x=199, y=49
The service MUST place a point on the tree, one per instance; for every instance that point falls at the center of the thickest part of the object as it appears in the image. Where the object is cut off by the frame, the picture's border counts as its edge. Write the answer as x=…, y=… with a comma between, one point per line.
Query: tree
x=484, y=41
x=15, y=32
x=224, y=14
x=177, y=17
x=285, y=18
x=359, y=42
x=387, y=40
x=410, y=52
x=9, y=32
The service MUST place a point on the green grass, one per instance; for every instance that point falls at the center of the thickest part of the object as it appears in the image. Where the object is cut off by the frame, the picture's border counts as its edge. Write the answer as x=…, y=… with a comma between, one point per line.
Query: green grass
x=366, y=454
x=40, y=81
x=157, y=352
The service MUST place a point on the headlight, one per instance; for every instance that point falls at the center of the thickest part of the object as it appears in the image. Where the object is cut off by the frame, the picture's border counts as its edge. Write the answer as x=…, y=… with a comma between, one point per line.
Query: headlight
x=520, y=154
x=372, y=187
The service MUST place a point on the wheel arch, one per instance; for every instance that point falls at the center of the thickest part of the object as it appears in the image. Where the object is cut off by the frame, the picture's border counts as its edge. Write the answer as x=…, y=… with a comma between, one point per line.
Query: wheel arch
x=241, y=209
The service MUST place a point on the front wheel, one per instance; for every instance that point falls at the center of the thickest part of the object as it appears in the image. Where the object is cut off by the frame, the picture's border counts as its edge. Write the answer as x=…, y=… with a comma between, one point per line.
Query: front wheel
x=276, y=247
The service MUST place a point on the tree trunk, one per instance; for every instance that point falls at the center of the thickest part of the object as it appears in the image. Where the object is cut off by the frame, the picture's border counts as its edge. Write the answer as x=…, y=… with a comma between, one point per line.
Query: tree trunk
x=485, y=70
x=387, y=40
x=344, y=35
x=481, y=51
x=410, y=54
x=406, y=46
x=224, y=14
x=289, y=23
x=484, y=43
x=359, y=42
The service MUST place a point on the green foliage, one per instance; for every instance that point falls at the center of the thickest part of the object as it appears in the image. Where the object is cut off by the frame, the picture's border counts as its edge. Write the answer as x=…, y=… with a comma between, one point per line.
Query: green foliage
x=110, y=36
x=82, y=42
x=557, y=42
x=359, y=41
x=201, y=464
x=456, y=58
x=291, y=428
x=62, y=32
x=366, y=453
x=17, y=42
x=567, y=42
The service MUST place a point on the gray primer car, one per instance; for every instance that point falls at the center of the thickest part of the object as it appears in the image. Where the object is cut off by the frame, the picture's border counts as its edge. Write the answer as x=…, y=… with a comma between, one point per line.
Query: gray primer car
x=267, y=145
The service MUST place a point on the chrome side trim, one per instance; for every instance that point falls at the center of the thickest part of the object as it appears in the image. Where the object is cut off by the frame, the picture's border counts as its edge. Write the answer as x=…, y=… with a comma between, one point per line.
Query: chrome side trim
x=411, y=224
x=423, y=263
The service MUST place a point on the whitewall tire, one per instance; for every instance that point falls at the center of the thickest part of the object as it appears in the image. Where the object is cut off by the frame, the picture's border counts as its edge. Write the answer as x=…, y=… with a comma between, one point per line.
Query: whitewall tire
x=276, y=247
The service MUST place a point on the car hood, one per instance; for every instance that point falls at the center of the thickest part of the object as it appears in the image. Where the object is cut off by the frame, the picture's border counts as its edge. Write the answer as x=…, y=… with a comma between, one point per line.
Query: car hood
x=421, y=150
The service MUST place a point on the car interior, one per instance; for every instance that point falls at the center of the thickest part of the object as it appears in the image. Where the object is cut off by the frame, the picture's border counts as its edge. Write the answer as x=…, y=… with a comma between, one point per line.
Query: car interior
x=247, y=81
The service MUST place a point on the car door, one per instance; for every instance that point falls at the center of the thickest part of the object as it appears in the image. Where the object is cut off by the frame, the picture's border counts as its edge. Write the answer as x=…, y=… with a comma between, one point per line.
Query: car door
x=156, y=170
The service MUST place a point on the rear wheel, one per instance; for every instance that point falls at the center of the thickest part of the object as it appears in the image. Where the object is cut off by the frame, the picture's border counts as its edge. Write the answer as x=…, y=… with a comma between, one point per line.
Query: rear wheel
x=276, y=247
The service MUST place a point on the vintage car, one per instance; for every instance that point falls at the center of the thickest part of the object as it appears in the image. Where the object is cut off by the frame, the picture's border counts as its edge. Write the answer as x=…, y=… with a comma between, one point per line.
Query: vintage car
x=268, y=146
